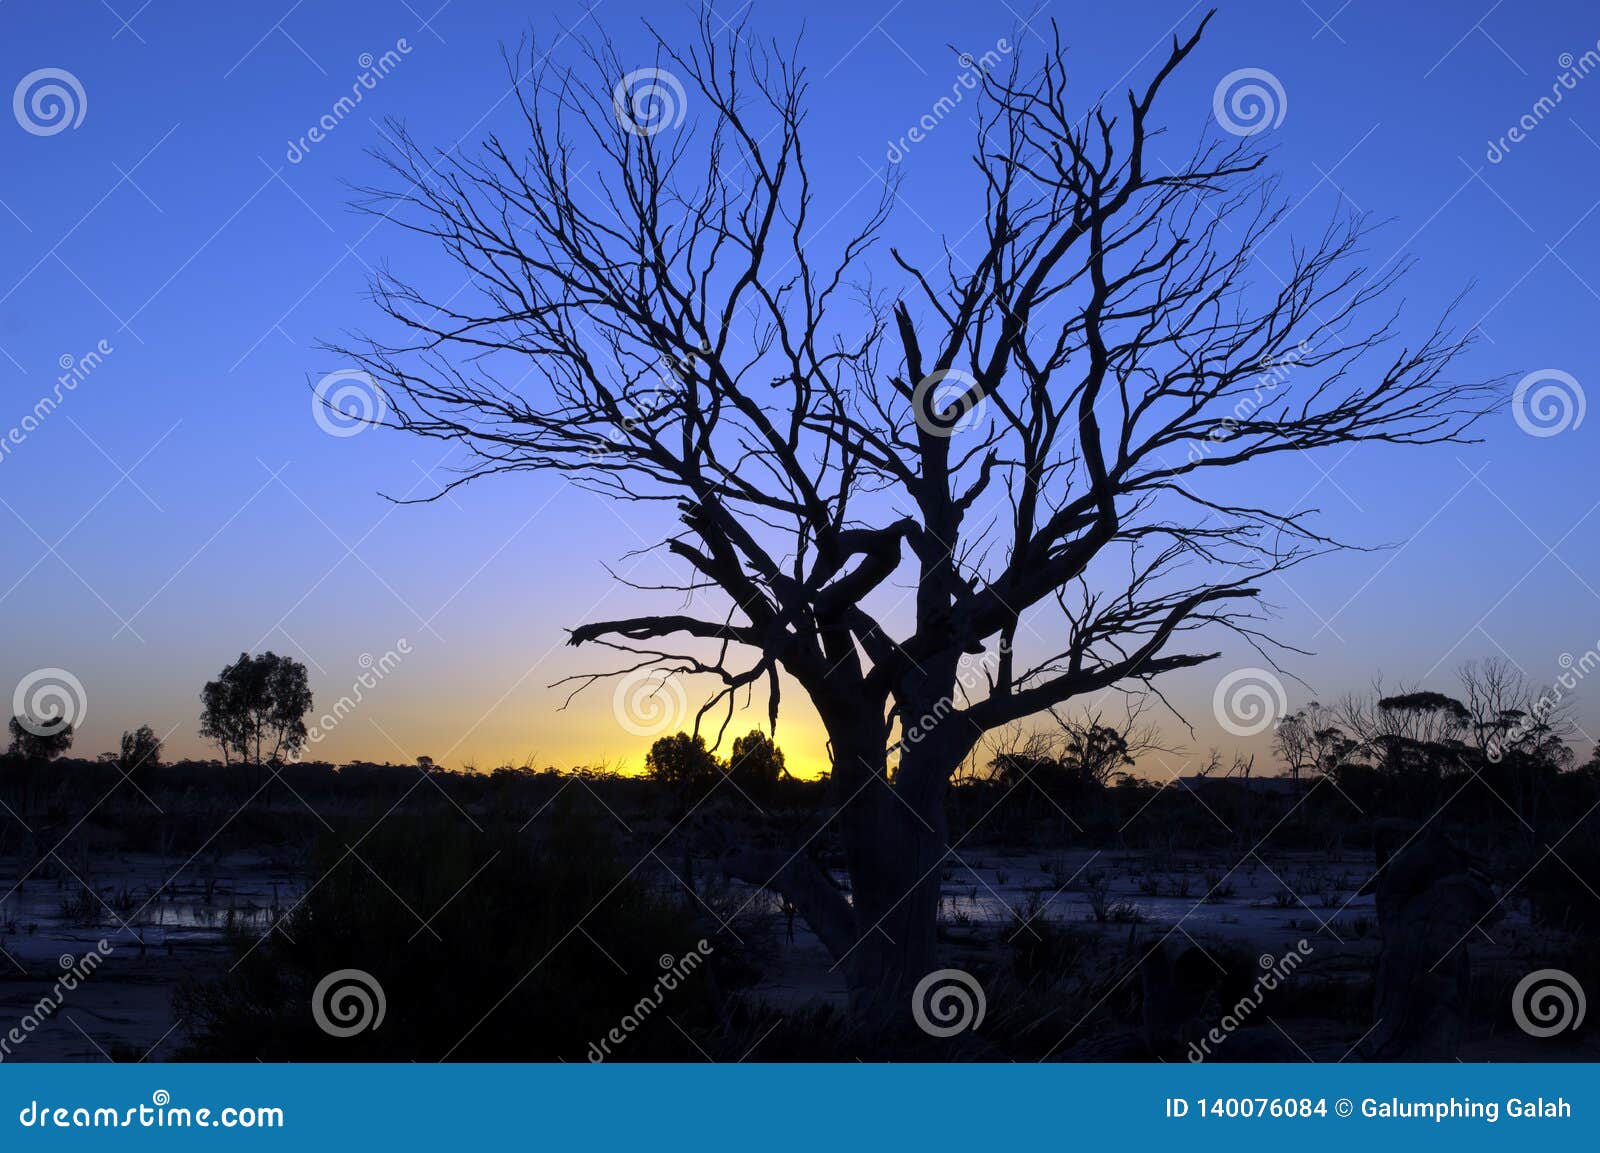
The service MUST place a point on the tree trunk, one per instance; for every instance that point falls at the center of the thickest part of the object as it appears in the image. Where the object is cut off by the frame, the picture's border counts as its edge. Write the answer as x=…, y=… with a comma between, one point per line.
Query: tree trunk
x=895, y=839
x=884, y=938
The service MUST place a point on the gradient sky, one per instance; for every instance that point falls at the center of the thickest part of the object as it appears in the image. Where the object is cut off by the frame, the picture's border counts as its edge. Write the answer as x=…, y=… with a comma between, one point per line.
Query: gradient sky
x=182, y=504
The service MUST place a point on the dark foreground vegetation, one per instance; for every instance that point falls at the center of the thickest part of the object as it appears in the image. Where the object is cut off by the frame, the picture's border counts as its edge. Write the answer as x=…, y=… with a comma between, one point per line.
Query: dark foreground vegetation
x=528, y=914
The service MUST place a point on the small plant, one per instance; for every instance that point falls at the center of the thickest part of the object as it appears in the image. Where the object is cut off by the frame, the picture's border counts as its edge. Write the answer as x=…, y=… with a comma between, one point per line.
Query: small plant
x=1219, y=886
x=81, y=907
x=1124, y=913
x=1001, y=876
x=1097, y=889
x=960, y=915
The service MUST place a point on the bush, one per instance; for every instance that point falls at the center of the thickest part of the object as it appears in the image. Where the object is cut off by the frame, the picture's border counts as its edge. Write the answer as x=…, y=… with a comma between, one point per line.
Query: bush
x=532, y=951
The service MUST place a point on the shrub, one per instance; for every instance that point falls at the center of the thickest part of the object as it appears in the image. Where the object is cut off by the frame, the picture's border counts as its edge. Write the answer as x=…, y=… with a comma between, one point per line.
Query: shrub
x=531, y=951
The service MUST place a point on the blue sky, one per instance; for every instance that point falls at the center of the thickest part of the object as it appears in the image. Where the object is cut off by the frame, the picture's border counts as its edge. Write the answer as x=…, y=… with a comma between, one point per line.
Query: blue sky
x=181, y=504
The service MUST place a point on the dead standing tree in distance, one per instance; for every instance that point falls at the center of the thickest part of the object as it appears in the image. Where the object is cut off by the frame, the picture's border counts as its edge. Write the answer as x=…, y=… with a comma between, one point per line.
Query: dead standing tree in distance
x=1026, y=441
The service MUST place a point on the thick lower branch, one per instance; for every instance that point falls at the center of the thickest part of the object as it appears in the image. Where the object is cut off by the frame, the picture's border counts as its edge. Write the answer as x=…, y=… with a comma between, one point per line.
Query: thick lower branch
x=799, y=878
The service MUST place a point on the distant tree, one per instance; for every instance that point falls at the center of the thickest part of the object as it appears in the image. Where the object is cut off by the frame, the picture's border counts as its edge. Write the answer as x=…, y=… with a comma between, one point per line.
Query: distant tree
x=1311, y=740
x=1420, y=731
x=40, y=740
x=1023, y=758
x=1329, y=746
x=756, y=764
x=1292, y=742
x=1080, y=757
x=1509, y=715
x=1517, y=731
x=255, y=710
x=682, y=761
x=141, y=751
x=1093, y=752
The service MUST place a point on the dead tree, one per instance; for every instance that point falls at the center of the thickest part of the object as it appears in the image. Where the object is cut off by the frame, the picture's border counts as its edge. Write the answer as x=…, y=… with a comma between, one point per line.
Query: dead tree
x=1029, y=441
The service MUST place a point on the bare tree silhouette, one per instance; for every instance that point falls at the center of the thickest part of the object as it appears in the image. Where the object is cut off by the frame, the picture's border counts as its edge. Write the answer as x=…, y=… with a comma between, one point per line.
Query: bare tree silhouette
x=1027, y=438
